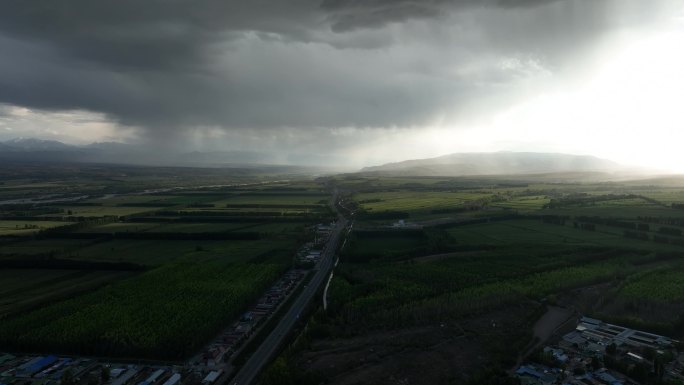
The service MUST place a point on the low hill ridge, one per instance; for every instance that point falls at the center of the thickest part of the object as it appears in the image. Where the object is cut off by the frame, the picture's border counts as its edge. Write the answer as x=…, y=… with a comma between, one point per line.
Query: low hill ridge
x=497, y=163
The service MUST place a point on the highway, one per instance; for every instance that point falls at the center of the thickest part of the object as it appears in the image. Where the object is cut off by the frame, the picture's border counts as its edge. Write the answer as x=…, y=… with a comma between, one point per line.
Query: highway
x=267, y=350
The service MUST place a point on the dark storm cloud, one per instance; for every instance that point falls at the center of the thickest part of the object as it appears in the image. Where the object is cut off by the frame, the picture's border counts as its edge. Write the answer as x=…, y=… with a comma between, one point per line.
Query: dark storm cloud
x=350, y=14
x=268, y=63
x=129, y=31
x=149, y=34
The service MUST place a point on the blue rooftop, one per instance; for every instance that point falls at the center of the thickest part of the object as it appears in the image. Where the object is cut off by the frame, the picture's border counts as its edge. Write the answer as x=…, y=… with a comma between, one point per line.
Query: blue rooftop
x=525, y=370
x=592, y=321
x=49, y=360
x=607, y=377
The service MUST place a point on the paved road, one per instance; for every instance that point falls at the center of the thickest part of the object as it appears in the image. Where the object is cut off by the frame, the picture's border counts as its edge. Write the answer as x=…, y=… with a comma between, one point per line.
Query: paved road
x=263, y=355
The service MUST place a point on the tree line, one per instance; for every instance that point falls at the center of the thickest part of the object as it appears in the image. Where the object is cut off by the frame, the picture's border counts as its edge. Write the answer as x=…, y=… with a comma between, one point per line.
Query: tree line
x=162, y=236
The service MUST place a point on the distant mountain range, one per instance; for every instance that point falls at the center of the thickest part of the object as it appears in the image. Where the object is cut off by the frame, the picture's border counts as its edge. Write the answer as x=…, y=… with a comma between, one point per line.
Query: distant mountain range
x=38, y=150
x=32, y=144
x=497, y=163
x=459, y=164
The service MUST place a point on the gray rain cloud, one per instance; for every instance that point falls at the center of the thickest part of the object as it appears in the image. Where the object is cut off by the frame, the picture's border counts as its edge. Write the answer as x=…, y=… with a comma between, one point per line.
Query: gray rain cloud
x=299, y=64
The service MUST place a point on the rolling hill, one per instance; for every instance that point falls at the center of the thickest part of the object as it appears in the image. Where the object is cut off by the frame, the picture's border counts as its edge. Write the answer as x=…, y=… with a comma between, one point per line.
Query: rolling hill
x=497, y=163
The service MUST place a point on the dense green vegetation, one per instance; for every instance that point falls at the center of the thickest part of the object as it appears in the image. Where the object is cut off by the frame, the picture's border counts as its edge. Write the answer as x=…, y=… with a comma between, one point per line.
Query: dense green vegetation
x=142, y=262
x=474, y=253
x=411, y=292
x=165, y=313
x=663, y=285
x=24, y=289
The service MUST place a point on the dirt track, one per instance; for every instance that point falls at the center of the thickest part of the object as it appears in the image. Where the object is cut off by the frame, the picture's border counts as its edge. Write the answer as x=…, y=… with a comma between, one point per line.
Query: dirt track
x=544, y=328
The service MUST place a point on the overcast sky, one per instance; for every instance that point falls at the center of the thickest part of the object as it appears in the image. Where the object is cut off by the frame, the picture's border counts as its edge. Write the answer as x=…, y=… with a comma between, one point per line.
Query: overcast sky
x=354, y=81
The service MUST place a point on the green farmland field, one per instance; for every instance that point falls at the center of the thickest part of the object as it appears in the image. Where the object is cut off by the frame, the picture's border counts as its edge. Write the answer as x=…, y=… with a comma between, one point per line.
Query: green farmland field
x=524, y=203
x=414, y=200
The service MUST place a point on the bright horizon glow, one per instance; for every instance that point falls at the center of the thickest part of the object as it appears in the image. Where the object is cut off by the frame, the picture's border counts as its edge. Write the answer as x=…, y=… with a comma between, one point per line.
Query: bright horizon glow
x=628, y=111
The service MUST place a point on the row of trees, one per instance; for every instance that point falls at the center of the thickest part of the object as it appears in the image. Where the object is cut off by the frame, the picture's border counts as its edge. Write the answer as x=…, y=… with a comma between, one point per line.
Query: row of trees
x=51, y=263
x=174, y=213
x=162, y=236
x=273, y=206
x=663, y=220
x=656, y=238
x=584, y=199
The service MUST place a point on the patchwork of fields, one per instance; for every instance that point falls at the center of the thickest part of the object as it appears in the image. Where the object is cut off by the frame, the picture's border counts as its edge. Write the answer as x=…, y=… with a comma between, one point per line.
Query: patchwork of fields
x=478, y=278
x=146, y=270
x=153, y=267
